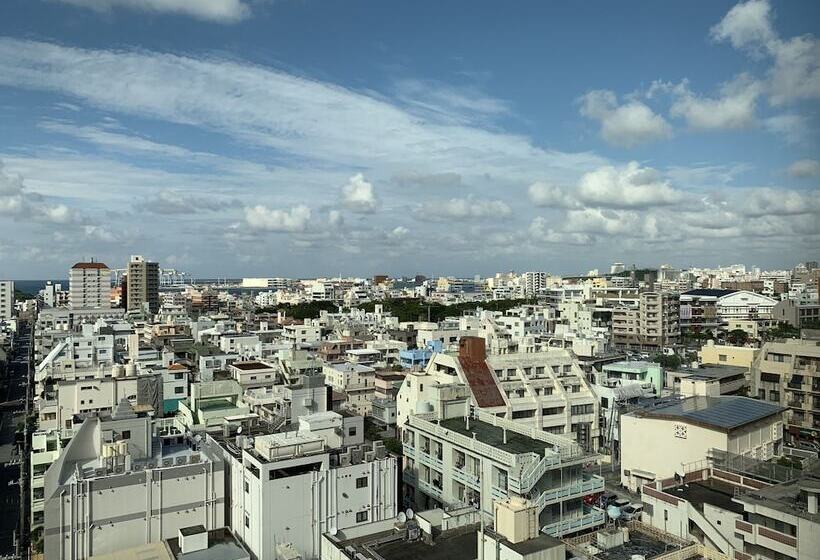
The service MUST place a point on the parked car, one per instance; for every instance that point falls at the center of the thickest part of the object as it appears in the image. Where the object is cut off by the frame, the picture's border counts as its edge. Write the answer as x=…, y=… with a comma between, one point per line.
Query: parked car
x=631, y=511
x=606, y=498
x=620, y=503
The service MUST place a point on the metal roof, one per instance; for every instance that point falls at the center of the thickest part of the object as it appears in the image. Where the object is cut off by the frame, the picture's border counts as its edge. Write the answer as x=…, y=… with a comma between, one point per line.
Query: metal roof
x=725, y=413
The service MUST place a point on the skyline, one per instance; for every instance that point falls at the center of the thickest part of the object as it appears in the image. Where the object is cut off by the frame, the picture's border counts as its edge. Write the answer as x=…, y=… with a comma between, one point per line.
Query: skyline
x=312, y=139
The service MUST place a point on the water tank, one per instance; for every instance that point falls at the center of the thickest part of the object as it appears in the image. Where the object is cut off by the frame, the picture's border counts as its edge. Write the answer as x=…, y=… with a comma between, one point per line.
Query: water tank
x=131, y=370
x=118, y=370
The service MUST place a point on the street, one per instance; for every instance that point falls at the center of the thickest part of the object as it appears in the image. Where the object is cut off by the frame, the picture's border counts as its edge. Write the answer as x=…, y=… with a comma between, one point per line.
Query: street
x=12, y=411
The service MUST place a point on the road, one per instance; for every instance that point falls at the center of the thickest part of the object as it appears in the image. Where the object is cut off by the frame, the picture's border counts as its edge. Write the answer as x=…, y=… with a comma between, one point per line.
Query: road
x=13, y=395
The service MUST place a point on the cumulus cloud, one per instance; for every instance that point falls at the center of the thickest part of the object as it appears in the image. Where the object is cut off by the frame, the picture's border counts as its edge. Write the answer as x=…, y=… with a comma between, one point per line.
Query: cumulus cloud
x=779, y=202
x=20, y=203
x=262, y=218
x=626, y=125
x=631, y=186
x=169, y=201
x=359, y=196
x=803, y=168
x=547, y=195
x=734, y=108
x=217, y=11
x=464, y=209
x=795, y=71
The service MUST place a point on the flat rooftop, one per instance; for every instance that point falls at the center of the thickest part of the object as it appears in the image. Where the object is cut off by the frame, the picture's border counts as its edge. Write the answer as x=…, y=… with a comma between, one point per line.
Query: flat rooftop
x=713, y=371
x=493, y=435
x=711, y=492
x=250, y=366
x=458, y=547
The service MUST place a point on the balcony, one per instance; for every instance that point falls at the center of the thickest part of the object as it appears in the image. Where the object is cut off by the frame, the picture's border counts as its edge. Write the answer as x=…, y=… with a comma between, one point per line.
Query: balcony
x=592, y=517
x=588, y=485
x=767, y=538
x=429, y=489
x=467, y=478
x=409, y=477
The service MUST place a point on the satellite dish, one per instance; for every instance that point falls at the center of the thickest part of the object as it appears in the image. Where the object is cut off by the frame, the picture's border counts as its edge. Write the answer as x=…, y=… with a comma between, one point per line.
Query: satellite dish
x=333, y=531
x=409, y=513
x=401, y=517
x=614, y=512
x=239, y=431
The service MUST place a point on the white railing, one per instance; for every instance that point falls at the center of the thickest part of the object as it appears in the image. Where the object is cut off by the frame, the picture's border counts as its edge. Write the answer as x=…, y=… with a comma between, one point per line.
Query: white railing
x=421, y=422
x=576, y=490
x=592, y=517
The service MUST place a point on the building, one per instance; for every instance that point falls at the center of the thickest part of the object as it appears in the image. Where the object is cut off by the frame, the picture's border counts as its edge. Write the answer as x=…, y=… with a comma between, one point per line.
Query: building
x=546, y=390
x=704, y=310
x=459, y=456
x=287, y=489
x=6, y=300
x=142, y=285
x=629, y=372
x=684, y=431
x=89, y=286
x=719, y=354
x=357, y=381
x=795, y=313
x=710, y=381
x=123, y=481
x=653, y=324
x=786, y=373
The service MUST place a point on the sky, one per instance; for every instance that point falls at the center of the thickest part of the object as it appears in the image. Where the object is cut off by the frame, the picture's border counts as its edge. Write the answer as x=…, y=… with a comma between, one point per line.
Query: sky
x=304, y=138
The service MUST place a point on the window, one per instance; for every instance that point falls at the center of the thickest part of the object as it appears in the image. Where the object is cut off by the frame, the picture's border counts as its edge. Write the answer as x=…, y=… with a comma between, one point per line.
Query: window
x=722, y=357
x=247, y=487
x=351, y=431
x=774, y=396
x=361, y=517
x=126, y=434
x=247, y=521
x=361, y=482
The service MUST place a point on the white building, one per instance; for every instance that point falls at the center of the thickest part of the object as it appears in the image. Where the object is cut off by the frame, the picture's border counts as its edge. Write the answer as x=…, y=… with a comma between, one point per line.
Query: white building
x=684, y=431
x=6, y=300
x=89, y=286
x=357, y=381
x=288, y=489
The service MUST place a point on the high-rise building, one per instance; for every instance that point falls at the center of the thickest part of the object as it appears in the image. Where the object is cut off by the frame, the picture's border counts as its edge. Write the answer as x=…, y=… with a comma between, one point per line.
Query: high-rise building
x=89, y=286
x=6, y=299
x=143, y=284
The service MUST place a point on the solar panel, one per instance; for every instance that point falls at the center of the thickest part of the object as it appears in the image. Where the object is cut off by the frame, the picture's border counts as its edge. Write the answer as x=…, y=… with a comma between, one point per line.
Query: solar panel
x=724, y=412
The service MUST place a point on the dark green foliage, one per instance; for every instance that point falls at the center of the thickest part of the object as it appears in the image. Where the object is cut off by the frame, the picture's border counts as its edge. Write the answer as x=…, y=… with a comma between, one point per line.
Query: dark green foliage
x=414, y=309
x=300, y=311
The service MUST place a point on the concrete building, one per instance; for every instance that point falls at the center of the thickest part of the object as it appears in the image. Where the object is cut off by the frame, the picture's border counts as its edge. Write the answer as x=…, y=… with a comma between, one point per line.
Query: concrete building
x=725, y=355
x=709, y=381
x=546, y=390
x=795, y=313
x=288, y=489
x=462, y=457
x=253, y=374
x=123, y=481
x=356, y=381
x=711, y=309
x=6, y=300
x=89, y=286
x=142, y=285
x=629, y=372
x=786, y=373
x=654, y=323
x=684, y=431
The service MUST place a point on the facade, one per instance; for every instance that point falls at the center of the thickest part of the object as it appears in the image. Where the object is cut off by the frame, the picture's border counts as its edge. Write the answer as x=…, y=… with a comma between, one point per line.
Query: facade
x=123, y=481
x=142, y=285
x=357, y=381
x=786, y=373
x=795, y=313
x=6, y=300
x=458, y=457
x=718, y=354
x=711, y=309
x=626, y=373
x=288, y=489
x=546, y=390
x=684, y=431
x=654, y=323
x=89, y=286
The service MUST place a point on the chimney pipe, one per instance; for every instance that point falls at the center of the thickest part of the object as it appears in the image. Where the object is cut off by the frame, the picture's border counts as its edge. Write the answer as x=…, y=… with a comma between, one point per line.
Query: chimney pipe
x=504, y=431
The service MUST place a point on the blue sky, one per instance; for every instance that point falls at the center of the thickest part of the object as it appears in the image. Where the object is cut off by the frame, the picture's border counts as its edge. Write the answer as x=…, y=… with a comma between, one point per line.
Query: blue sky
x=300, y=138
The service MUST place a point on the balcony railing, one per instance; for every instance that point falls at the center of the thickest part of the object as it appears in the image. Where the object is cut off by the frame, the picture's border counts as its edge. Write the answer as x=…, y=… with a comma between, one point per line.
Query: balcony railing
x=592, y=517
x=589, y=485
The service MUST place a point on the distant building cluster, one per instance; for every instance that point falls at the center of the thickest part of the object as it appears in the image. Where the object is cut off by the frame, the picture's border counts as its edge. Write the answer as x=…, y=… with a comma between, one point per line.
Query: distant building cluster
x=240, y=419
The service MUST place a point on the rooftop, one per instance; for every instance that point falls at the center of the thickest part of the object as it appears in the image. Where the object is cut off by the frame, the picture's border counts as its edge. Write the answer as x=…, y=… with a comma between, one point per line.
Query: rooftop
x=710, y=491
x=709, y=292
x=462, y=546
x=494, y=436
x=222, y=545
x=250, y=366
x=723, y=413
x=95, y=265
x=713, y=371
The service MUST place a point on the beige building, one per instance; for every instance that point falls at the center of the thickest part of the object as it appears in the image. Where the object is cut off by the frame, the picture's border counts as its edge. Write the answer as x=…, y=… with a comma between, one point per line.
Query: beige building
x=659, y=441
x=143, y=284
x=89, y=286
x=6, y=300
x=654, y=323
x=786, y=373
x=725, y=355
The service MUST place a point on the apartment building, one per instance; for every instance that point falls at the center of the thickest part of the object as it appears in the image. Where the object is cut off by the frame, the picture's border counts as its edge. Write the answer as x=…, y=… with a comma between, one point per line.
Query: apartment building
x=787, y=373
x=89, y=286
x=356, y=381
x=142, y=285
x=6, y=300
x=711, y=309
x=124, y=481
x=652, y=324
x=287, y=489
x=796, y=313
x=720, y=354
x=547, y=390
x=684, y=431
x=459, y=456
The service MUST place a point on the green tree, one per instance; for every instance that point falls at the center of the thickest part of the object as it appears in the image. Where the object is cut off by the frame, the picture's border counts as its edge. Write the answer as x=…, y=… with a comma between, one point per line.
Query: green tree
x=738, y=336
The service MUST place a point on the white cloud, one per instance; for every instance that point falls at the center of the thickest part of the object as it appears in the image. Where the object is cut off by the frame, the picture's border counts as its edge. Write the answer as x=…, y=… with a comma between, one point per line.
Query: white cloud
x=631, y=186
x=779, y=202
x=20, y=203
x=626, y=125
x=795, y=73
x=359, y=196
x=218, y=11
x=169, y=201
x=803, y=168
x=314, y=121
x=464, y=209
x=734, y=108
x=548, y=195
x=262, y=218
x=792, y=127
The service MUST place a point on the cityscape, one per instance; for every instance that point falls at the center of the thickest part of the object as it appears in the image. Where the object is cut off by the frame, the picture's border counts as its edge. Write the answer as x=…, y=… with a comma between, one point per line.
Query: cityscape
x=373, y=280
